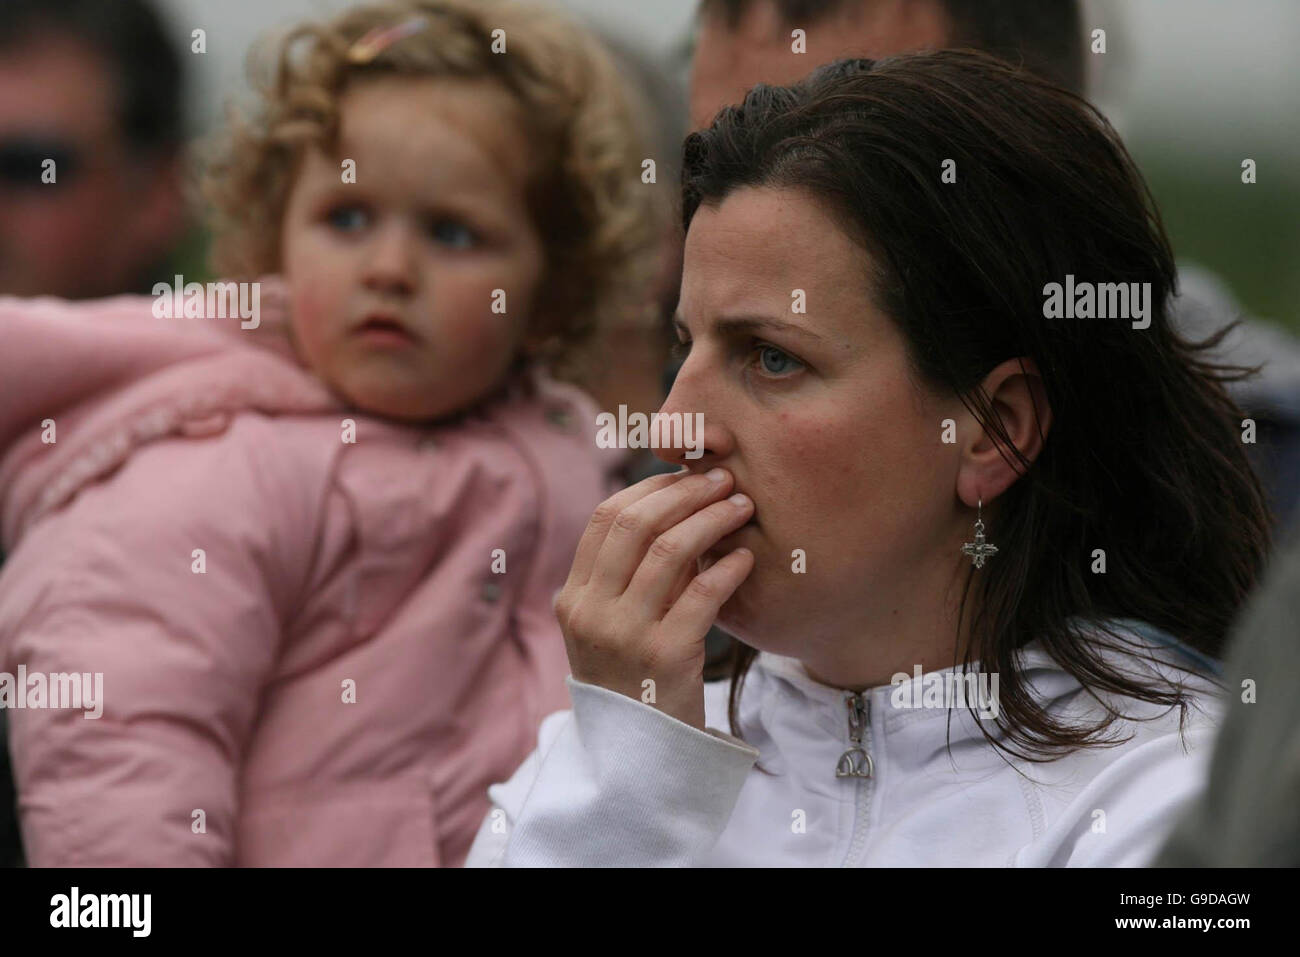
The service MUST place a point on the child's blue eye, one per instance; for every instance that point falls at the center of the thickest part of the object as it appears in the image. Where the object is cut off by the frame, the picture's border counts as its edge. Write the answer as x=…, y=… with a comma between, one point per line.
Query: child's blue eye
x=764, y=352
x=449, y=232
x=347, y=218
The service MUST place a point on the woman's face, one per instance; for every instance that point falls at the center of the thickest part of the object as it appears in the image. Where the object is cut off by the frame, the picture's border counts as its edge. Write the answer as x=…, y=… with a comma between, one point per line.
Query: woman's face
x=816, y=415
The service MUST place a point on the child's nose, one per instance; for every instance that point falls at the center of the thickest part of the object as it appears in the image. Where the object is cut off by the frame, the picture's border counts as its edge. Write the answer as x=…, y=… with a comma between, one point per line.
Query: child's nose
x=390, y=264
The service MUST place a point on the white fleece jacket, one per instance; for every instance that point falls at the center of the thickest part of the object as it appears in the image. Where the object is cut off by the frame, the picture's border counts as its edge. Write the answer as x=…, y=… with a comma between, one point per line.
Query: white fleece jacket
x=616, y=782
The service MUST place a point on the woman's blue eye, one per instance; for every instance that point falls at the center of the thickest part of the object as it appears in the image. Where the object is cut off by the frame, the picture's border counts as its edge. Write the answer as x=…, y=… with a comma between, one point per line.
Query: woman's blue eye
x=346, y=218
x=765, y=351
x=454, y=234
x=774, y=361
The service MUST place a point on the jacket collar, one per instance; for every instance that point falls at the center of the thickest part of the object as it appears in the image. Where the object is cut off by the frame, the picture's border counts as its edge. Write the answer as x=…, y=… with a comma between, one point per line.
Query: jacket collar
x=894, y=707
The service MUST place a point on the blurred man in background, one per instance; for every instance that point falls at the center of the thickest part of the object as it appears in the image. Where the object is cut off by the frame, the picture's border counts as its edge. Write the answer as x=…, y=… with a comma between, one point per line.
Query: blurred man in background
x=96, y=87
x=740, y=43
x=91, y=172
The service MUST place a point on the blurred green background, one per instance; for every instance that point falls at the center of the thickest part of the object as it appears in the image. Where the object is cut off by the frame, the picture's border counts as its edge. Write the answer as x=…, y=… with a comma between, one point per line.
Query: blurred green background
x=1248, y=235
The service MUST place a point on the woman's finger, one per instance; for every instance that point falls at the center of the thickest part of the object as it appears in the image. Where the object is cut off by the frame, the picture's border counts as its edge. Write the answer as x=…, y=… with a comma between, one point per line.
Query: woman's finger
x=670, y=561
x=695, y=611
x=584, y=559
x=639, y=524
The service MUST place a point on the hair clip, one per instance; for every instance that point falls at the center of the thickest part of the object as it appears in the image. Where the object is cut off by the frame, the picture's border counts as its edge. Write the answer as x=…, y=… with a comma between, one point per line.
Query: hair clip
x=381, y=38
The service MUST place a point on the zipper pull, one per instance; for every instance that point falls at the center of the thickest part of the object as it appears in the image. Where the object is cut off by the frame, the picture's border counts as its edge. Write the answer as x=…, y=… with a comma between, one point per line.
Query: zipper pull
x=855, y=762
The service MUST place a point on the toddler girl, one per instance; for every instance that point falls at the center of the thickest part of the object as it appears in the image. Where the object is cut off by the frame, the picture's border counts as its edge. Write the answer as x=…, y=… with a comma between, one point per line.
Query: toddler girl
x=312, y=552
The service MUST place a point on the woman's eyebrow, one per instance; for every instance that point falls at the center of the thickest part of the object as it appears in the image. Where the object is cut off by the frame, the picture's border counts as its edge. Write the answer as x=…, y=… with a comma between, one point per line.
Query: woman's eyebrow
x=734, y=325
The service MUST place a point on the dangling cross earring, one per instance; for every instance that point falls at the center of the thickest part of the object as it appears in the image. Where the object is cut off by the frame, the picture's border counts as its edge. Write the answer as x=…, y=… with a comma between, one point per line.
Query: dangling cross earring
x=979, y=549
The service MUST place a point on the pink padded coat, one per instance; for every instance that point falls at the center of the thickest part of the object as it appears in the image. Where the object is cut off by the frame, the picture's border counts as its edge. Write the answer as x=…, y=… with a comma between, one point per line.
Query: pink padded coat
x=312, y=651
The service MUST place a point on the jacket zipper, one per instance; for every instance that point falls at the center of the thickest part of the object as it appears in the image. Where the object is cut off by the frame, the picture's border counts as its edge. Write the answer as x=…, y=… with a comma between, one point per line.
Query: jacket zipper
x=856, y=763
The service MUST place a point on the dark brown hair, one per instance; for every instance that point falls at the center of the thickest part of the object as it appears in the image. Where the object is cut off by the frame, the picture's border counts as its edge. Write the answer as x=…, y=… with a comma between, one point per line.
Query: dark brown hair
x=1144, y=458
x=148, y=69
x=1044, y=35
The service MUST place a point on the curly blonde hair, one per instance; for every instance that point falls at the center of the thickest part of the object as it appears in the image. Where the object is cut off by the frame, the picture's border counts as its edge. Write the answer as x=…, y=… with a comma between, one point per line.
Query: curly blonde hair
x=597, y=220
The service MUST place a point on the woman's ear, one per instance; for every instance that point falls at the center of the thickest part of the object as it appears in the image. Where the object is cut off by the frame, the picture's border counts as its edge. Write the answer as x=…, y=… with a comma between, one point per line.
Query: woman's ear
x=1019, y=399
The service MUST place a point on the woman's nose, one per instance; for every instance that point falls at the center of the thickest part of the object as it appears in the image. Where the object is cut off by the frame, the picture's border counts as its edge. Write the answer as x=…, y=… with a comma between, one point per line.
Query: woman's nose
x=390, y=265
x=701, y=439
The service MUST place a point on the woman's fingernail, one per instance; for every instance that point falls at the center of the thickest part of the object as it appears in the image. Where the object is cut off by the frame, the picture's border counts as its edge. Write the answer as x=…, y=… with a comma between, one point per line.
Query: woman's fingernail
x=715, y=475
x=739, y=499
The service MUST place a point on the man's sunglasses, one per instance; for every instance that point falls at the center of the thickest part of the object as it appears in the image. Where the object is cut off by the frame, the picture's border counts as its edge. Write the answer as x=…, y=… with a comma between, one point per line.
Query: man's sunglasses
x=23, y=162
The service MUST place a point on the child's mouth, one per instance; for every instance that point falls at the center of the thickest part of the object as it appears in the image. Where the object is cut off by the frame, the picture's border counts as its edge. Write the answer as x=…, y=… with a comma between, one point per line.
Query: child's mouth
x=384, y=331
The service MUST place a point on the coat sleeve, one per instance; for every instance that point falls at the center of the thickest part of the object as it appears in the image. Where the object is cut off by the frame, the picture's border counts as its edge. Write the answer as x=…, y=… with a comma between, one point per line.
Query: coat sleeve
x=57, y=353
x=614, y=782
x=169, y=580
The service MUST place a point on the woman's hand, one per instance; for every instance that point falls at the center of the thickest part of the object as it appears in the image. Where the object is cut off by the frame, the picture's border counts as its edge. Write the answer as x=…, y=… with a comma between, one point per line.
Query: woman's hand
x=634, y=608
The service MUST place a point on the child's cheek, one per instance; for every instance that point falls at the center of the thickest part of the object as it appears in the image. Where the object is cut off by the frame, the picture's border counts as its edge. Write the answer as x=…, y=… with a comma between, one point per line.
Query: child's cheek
x=309, y=305
x=470, y=326
x=312, y=268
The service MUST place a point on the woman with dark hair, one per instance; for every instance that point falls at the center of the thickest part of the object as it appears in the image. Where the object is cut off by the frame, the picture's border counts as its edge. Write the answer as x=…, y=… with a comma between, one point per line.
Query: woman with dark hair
x=956, y=464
